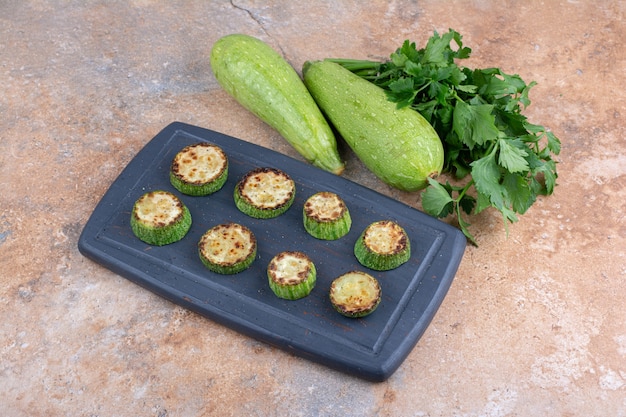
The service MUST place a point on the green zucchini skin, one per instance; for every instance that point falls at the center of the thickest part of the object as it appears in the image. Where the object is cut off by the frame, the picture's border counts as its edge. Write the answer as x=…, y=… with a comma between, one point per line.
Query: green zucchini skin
x=252, y=211
x=263, y=82
x=398, y=145
x=199, y=189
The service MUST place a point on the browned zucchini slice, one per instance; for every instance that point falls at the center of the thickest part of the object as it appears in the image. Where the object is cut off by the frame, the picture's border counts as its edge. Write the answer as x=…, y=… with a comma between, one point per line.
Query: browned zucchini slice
x=291, y=275
x=160, y=218
x=382, y=246
x=355, y=294
x=326, y=216
x=264, y=193
x=199, y=169
x=227, y=248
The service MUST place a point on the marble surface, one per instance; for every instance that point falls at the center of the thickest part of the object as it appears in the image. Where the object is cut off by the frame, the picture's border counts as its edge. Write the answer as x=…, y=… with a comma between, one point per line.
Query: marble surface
x=534, y=323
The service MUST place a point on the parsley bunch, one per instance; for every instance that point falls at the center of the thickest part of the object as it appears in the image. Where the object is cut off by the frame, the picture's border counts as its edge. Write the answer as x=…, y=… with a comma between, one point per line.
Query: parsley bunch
x=500, y=159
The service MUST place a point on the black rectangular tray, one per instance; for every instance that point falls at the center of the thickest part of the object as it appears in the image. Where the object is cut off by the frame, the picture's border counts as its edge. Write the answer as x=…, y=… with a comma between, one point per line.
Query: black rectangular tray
x=371, y=348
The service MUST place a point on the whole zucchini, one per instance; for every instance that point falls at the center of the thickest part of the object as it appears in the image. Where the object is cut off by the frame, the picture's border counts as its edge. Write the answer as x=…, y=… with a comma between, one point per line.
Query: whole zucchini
x=267, y=85
x=398, y=145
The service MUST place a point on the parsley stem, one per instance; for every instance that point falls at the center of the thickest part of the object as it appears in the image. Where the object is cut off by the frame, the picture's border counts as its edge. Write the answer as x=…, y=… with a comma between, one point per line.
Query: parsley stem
x=423, y=87
x=463, y=225
x=465, y=189
x=363, y=68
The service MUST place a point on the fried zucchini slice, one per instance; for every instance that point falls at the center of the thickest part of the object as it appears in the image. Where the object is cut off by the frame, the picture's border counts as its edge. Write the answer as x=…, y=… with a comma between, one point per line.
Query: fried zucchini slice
x=264, y=193
x=199, y=169
x=160, y=218
x=355, y=294
x=227, y=248
x=382, y=246
x=326, y=216
x=291, y=275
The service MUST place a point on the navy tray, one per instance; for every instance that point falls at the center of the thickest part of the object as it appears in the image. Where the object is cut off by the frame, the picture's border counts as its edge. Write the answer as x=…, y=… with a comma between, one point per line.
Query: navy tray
x=371, y=348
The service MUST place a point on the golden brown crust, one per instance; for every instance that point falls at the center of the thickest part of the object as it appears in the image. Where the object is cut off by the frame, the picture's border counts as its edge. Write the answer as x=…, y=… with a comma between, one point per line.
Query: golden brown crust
x=355, y=293
x=266, y=188
x=289, y=268
x=385, y=237
x=199, y=164
x=324, y=207
x=158, y=209
x=227, y=244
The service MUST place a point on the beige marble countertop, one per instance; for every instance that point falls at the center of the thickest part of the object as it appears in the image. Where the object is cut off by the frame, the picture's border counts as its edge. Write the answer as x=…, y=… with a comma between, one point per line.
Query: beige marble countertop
x=534, y=323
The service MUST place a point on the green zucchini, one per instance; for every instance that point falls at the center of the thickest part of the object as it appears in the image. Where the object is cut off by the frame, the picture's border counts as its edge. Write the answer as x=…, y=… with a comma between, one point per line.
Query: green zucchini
x=267, y=85
x=397, y=145
x=160, y=218
x=291, y=275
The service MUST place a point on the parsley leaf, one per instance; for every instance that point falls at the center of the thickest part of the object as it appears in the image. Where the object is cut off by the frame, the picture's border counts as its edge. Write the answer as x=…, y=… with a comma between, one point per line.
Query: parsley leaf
x=436, y=199
x=486, y=175
x=474, y=124
x=513, y=155
x=477, y=113
x=403, y=91
x=519, y=192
